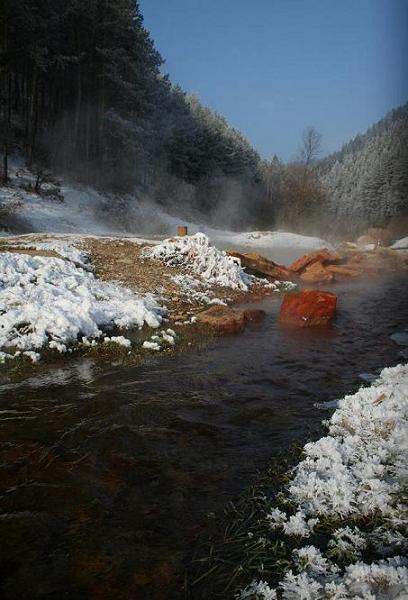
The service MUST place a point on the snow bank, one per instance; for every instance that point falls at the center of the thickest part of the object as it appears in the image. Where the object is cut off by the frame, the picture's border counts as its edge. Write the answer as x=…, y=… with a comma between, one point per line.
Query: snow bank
x=355, y=473
x=64, y=247
x=51, y=301
x=348, y=471
x=196, y=253
x=280, y=239
x=401, y=244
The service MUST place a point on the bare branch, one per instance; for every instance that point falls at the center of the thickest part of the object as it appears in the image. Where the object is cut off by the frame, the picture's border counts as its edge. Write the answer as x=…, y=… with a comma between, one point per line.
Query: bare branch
x=311, y=145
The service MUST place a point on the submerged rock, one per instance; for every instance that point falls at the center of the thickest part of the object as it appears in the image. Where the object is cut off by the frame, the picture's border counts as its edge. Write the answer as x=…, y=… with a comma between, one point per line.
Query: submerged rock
x=228, y=320
x=308, y=308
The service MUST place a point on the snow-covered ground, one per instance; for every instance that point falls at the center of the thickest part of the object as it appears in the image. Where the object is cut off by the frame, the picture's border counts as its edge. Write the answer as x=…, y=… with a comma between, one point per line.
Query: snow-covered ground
x=54, y=302
x=86, y=211
x=214, y=267
x=47, y=301
x=354, y=478
x=401, y=244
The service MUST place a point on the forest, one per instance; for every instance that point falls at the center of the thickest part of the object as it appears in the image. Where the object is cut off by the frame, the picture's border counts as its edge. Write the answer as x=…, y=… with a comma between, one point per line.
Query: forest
x=83, y=93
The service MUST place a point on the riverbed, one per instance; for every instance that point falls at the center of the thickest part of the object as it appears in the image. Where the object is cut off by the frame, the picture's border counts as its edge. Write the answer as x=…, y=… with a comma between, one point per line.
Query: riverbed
x=108, y=474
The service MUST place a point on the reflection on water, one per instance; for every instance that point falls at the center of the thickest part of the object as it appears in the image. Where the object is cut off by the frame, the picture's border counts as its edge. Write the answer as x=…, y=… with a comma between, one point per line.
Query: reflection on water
x=107, y=473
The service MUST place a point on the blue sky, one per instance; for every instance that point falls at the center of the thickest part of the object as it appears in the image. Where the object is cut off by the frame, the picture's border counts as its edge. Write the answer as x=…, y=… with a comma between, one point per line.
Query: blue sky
x=273, y=67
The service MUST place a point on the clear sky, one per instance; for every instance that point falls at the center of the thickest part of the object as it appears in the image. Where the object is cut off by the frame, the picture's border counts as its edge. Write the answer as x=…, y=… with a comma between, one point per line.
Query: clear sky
x=273, y=67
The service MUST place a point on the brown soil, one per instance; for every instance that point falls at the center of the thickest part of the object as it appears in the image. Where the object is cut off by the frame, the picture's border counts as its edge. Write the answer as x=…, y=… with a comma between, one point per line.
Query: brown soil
x=30, y=251
x=121, y=260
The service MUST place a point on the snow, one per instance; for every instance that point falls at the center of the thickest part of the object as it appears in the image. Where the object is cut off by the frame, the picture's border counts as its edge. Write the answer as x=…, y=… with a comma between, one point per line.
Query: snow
x=196, y=291
x=212, y=266
x=119, y=339
x=51, y=301
x=197, y=254
x=161, y=340
x=64, y=247
x=347, y=472
x=298, y=524
x=89, y=212
x=357, y=471
x=401, y=244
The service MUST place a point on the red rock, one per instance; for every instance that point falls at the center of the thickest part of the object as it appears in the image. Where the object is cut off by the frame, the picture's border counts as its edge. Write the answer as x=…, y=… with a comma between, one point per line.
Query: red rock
x=263, y=267
x=308, y=308
x=229, y=320
x=223, y=319
x=322, y=255
x=316, y=273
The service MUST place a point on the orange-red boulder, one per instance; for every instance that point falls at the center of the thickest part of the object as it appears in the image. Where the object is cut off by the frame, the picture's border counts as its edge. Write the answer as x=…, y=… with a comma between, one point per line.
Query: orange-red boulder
x=316, y=273
x=322, y=255
x=308, y=308
x=261, y=266
x=228, y=320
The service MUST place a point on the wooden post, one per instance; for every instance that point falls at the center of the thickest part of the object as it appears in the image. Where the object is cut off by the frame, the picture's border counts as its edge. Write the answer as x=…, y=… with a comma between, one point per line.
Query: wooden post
x=182, y=231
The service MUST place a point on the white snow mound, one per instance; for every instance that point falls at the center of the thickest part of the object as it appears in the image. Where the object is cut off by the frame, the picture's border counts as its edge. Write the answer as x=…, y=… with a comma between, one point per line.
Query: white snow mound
x=46, y=300
x=197, y=254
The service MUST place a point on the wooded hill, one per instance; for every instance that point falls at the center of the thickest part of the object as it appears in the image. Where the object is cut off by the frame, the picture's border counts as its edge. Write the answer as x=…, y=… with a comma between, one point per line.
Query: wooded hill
x=82, y=92
x=366, y=182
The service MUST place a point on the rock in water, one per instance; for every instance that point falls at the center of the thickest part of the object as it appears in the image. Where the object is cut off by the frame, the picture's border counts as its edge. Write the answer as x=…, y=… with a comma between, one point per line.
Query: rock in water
x=263, y=267
x=322, y=256
x=316, y=273
x=308, y=308
x=228, y=320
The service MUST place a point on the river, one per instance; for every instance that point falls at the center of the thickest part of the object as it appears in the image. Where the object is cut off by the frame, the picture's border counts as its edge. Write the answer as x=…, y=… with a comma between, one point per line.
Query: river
x=107, y=472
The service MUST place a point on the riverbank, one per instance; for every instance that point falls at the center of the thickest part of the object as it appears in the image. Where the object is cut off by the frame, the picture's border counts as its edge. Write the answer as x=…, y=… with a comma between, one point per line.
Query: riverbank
x=119, y=297
x=334, y=526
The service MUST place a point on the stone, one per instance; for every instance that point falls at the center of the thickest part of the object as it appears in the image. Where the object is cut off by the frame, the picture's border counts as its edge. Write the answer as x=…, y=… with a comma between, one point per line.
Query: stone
x=322, y=256
x=229, y=320
x=263, y=267
x=316, y=273
x=308, y=308
x=223, y=319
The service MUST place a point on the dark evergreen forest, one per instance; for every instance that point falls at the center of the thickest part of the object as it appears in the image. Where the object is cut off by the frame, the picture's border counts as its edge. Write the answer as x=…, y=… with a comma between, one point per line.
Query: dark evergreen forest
x=82, y=92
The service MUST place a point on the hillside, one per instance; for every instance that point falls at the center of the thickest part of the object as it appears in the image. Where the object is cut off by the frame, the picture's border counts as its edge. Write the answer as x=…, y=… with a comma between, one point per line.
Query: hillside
x=366, y=182
x=82, y=93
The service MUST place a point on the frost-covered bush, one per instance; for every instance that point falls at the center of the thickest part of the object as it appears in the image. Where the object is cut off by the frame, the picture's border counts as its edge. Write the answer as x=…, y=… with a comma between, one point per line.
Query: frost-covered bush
x=197, y=254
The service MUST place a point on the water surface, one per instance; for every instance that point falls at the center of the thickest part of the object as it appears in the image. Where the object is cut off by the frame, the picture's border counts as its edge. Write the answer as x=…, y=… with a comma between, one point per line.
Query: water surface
x=107, y=473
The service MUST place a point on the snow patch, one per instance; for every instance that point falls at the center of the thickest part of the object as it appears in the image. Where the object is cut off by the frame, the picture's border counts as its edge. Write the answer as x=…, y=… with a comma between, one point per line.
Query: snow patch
x=401, y=244
x=161, y=340
x=196, y=253
x=50, y=301
x=357, y=471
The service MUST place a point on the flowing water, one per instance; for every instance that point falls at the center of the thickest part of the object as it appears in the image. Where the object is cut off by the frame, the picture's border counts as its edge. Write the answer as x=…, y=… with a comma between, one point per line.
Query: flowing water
x=107, y=473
